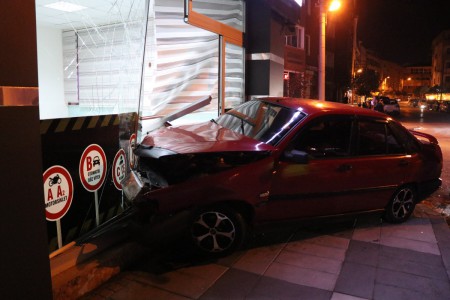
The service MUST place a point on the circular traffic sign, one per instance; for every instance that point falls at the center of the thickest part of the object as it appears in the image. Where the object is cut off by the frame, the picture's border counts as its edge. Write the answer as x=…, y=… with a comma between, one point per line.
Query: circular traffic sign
x=119, y=168
x=58, y=192
x=92, y=168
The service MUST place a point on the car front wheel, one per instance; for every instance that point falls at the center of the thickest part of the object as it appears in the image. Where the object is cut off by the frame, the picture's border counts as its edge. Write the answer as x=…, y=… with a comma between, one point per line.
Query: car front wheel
x=217, y=231
x=402, y=205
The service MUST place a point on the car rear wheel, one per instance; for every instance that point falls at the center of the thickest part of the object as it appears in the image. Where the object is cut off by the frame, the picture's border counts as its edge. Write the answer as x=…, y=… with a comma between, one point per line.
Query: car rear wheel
x=402, y=205
x=217, y=231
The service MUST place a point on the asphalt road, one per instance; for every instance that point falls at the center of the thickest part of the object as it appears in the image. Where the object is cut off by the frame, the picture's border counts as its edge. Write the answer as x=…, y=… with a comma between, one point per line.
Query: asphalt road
x=437, y=124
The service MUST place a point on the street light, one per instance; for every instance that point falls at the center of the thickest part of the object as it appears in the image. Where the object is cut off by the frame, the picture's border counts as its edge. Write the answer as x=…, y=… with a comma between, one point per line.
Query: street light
x=384, y=85
x=333, y=5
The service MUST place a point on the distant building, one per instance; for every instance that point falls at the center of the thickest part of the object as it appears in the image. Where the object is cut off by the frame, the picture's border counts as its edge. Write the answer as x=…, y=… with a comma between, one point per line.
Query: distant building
x=417, y=79
x=391, y=74
x=441, y=60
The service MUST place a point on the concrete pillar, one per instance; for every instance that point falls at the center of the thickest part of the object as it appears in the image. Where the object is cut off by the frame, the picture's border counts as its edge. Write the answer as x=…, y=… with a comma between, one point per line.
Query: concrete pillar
x=265, y=41
x=24, y=261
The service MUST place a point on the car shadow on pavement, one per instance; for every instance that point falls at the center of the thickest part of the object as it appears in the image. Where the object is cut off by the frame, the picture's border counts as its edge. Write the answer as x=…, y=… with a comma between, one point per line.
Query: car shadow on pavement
x=166, y=252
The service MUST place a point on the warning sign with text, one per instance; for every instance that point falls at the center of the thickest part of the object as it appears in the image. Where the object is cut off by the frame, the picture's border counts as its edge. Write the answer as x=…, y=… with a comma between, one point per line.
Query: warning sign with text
x=93, y=167
x=58, y=192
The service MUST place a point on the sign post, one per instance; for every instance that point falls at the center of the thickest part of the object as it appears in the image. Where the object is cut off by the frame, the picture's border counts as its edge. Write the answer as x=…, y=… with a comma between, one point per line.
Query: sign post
x=92, y=172
x=58, y=195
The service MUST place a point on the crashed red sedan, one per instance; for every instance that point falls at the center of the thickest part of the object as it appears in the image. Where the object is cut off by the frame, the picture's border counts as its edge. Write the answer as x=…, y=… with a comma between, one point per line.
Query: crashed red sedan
x=275, y=159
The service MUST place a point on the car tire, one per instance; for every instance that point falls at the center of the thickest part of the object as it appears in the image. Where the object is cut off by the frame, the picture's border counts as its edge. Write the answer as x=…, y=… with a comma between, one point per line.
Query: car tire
x=401, y=205
x=217, y=231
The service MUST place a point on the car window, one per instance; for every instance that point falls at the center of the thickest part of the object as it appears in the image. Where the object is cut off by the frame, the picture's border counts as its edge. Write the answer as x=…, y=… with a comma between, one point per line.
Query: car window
x=376, y=138
x=262, y=121
x=406, y=139
x=325, y=138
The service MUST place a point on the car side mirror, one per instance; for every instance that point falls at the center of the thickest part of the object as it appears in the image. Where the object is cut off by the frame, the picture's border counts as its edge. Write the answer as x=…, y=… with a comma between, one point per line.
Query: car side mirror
x=297, y=156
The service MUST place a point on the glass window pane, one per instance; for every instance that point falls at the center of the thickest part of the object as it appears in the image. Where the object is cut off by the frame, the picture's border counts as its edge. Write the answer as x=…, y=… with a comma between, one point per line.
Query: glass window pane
x=90, y=60
x=372, y=138
x=182, y=70
x=325, y=138
x=234, y=75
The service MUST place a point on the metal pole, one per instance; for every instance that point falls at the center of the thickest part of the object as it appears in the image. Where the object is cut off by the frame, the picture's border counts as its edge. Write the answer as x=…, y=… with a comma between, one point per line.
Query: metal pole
x=323, y=20
x=355, y=24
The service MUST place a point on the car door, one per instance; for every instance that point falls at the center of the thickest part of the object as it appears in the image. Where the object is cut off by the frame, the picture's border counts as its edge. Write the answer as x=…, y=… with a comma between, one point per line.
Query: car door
x=380, y=164
x=317, y=187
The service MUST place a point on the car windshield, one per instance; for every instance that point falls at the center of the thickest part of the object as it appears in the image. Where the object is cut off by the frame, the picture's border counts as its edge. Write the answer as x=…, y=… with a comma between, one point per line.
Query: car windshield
x=261, y=121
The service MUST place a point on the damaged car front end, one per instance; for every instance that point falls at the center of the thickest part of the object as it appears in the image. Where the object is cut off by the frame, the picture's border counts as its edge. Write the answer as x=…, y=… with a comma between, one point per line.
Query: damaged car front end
x=218, y=171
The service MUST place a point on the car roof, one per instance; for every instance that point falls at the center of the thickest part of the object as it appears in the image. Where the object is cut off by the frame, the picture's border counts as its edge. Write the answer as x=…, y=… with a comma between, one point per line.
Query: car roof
x=319, y=107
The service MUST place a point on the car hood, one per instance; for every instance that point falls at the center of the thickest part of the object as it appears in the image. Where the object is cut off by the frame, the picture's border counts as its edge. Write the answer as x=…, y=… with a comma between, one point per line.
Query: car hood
x=203, y=137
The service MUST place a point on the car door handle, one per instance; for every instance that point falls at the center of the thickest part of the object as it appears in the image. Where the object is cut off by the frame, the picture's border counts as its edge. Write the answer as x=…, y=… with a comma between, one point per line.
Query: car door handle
x=344, y=168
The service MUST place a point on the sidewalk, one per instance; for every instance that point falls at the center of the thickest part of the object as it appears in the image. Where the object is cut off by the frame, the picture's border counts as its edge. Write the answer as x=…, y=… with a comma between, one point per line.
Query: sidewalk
x=365, y=260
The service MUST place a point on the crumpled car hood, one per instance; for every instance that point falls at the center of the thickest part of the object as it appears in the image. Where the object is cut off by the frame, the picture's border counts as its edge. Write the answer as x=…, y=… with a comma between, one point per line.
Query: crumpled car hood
x=203, y=137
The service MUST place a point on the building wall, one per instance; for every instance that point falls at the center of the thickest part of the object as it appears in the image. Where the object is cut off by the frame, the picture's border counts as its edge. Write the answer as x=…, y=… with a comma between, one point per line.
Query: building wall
x=441, y=60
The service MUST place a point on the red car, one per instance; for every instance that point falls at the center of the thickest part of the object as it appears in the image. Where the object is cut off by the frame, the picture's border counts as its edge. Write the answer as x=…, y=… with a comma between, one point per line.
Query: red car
x=276, y=159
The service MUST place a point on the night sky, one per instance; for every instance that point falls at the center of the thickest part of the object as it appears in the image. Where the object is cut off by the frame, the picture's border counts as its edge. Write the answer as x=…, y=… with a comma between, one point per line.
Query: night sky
x=402, y=30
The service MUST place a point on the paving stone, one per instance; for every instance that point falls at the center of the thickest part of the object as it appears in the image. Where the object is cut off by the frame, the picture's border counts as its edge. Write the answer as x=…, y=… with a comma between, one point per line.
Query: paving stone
x=445, y=256
x=269, y=288
x=414, y=229
x=234, y=284
x=302, y=276
x=363, y=253
x=356, y=280
x=191, y=282
x=414, y=268
x=383, y=292
x=411, y=255
x=138, y=290
x=257, y=260
x=419, y=284
x=367, y=234
x=410, y=244
x=329, y=241
x=317, y=250
x=309, y=262
x=339, y=296
x=441, y=231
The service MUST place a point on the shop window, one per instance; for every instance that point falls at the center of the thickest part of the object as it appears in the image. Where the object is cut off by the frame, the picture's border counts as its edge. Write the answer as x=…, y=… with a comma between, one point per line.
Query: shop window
x=90, y=59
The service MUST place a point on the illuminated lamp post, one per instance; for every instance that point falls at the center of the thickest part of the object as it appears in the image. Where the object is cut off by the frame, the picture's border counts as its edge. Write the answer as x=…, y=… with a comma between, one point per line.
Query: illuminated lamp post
x=333, y=5
x=385, y=85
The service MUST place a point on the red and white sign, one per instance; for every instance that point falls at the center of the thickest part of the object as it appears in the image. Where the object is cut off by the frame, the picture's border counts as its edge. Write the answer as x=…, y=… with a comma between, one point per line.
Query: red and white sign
x=119, y=168
x=131, y=146
x=58, y=192
x=93, y=167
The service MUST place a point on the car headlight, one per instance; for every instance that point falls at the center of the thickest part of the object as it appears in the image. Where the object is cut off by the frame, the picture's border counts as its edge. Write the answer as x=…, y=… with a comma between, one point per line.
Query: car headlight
x=132, y=185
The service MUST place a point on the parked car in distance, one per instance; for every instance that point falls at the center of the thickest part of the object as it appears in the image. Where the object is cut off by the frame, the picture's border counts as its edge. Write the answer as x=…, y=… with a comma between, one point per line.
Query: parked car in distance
x=445, y=106
x=391, y=107
x=279, y=159
x=414, y=102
